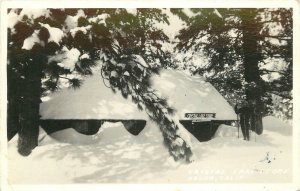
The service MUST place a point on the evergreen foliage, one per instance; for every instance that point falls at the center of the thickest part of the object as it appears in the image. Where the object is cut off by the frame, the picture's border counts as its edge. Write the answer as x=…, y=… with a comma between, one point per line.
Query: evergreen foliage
x=248, y=51
x=58, y=47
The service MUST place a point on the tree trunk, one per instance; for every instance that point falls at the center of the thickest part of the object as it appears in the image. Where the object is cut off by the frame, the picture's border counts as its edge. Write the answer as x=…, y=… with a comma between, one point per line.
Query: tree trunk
x=253, y=88
x=12, y=118
x=29, y=107
x=13, y=104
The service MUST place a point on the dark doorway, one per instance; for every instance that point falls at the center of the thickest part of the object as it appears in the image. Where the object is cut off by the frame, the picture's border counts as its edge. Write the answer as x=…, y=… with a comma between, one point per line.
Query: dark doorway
x=203, y=131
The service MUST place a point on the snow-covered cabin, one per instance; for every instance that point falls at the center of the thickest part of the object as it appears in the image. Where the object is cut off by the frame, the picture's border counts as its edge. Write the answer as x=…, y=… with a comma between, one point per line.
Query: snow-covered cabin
x=199, y=106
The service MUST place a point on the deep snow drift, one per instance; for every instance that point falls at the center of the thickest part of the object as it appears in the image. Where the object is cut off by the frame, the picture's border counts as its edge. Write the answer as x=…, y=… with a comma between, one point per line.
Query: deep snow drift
x=189, y=94
x=115, y=156
x=94, y=100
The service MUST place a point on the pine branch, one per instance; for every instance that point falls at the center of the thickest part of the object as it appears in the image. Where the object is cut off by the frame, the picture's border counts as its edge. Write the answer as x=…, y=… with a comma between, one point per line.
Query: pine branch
x=157, y=109
x=51, y=85
x=281, y=37
x=103, y=78
x=270, y=21
x=281, y=94
x=268, y=55
x=159, y=112
x=75, y=83
x=64, y=77
x=271, y=71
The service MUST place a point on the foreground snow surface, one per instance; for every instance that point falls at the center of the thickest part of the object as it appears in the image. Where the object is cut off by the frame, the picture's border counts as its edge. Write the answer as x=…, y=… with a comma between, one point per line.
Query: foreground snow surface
x=115, y=156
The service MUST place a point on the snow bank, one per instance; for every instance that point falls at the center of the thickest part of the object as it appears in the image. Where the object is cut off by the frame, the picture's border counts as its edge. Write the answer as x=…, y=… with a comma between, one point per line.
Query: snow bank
x=187, y=94
x=114, y=152
x=43, y=139
x=73, y=137
x=108, y=133
x=270, y=123
x=119, y=157
x=276, y=125
x=227, y=131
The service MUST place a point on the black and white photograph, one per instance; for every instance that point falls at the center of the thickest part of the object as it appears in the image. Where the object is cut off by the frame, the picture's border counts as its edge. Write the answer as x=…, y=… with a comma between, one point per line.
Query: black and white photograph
x=150, y=95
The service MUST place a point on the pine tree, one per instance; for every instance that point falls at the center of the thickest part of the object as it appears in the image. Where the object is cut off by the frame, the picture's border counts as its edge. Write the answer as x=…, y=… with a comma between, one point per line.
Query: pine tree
x=240, y=46
x=31, y=73
x=124, y=43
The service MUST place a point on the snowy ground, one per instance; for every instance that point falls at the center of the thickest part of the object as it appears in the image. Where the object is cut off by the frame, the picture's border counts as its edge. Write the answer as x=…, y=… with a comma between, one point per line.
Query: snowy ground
x=115, y=156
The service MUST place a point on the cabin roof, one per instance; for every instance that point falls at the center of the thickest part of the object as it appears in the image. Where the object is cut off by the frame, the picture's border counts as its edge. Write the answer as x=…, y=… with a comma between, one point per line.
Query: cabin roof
x=93, y=100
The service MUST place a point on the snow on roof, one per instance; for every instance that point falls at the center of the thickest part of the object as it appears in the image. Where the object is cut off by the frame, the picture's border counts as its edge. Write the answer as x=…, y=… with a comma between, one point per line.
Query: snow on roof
x=192, y=94
x=93, y=100
x=187, y=94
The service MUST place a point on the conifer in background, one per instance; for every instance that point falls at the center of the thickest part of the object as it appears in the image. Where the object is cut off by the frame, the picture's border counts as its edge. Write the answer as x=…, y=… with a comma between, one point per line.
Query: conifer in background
x=248, y=54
